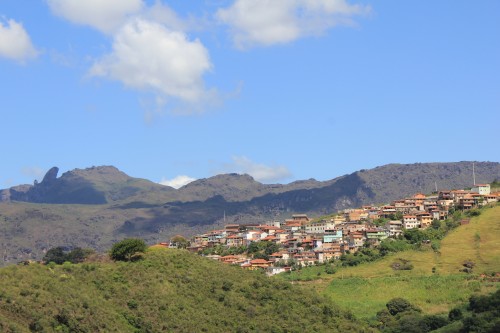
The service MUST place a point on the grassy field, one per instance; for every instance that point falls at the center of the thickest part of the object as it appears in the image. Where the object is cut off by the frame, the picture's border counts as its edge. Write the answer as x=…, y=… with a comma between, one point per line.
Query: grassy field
x=433, y=294
x=365, y=289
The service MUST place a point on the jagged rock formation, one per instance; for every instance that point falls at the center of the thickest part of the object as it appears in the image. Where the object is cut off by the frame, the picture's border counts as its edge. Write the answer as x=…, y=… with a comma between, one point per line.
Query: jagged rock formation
x=91, y=186
x=67, y=189
x=104, y=204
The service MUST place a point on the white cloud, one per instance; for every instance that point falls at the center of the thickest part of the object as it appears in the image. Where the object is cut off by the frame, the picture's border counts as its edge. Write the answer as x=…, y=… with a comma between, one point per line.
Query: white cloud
x=260, y=172
x=15, y=43
x=104, y=15
x=148, y=56
x=178, y=181
x=269, y=22
x=165, y=15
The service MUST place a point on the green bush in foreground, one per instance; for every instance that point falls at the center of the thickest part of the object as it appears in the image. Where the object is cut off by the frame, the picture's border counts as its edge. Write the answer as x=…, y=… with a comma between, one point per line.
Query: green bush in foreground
x=127, y=248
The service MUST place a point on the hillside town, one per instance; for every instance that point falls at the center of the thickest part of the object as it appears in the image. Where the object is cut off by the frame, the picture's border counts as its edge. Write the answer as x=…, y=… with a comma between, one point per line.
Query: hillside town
x=308, y=241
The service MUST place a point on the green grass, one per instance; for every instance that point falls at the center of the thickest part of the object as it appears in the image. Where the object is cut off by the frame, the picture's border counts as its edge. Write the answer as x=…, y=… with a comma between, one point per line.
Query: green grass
x=463, y=244
x=365, y=289
x=433, y=294
x=168, y=291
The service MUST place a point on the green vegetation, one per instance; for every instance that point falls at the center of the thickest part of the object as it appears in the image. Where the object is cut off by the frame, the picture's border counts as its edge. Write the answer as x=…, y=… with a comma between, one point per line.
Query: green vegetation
x=169, y=290
x=433, y=294
x=222, y=250
x=437, y=282
x=127, y=249
x=403, y=317
x=58, y=255
x=483, y=314
x=180, y=241
x=479, y=314
x=262, y=250
x=399, y=305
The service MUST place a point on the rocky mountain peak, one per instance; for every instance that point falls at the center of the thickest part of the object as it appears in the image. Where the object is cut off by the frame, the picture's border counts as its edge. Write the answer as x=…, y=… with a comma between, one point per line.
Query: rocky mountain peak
x=51, y=175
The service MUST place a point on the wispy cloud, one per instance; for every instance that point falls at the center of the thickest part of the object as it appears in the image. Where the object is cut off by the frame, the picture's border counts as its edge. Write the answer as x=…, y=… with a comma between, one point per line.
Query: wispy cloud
x=15, y=43
x=269, y=22
x=106, y=16
x=260, y=172
x=178, y=181
x=34, y=172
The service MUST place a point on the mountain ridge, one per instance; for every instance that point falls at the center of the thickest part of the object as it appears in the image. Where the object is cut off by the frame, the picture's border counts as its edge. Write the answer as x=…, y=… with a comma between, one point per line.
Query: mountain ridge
x=134, y=207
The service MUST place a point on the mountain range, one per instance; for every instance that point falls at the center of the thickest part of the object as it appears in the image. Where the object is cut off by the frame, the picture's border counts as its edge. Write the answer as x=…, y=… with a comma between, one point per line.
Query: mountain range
x=97, y=206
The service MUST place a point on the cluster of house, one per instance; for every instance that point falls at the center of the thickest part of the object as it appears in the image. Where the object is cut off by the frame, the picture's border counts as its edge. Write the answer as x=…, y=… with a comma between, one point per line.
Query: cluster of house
x=306, y=241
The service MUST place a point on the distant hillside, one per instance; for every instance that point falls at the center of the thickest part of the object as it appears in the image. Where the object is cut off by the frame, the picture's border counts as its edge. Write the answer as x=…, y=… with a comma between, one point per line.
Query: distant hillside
x=94, y=207
x=236, y=188
x=399, y=180
x=168, y=291
x=96, y=185
x=435, y=284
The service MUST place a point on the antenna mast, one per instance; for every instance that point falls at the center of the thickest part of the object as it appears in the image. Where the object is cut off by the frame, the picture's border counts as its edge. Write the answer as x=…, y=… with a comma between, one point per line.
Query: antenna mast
x=473, y=174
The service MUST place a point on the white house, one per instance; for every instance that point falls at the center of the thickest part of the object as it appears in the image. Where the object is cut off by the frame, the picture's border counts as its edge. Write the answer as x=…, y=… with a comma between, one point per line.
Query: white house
x=483, y=189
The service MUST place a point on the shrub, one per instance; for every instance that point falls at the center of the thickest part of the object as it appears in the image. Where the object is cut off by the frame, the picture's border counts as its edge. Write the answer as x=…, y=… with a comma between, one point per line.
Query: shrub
x=473, y=213
x=330, y=269
x=132, y=304
x=402, y=264
x=432, y=322
x=455, y=314
x=56, y=255
x=435, y=246
x=127, y=248
x=399, y=305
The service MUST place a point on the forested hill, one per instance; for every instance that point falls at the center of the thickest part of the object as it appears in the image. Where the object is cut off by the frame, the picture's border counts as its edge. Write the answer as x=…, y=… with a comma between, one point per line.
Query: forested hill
x=167, y=291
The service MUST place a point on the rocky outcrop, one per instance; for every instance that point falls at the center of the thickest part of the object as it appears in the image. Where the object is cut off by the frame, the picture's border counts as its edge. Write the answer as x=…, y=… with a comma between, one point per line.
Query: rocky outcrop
x=50, y=177
x=58, y=190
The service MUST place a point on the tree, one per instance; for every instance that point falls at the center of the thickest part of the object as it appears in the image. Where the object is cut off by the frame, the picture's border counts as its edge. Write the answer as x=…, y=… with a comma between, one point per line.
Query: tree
x=455, y=314
x=270, y=248
x=431, y=323
x=414, y=236
x=399, y=305
x=253, y=247
x=78, y=255
x=125, y=249
x=180, y=242
x=436, y=224
x=56, y=255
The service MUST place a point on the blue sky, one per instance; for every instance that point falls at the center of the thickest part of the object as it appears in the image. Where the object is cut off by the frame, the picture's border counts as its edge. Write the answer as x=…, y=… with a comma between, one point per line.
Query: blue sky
x=280, y=89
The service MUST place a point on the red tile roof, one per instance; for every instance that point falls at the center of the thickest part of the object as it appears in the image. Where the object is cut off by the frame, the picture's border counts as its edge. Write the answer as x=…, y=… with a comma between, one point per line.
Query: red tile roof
x=259, y=261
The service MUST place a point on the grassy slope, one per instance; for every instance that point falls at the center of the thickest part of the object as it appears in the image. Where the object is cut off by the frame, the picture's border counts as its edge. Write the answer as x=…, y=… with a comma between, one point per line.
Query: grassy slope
x=367, y=288
x=170, y=290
